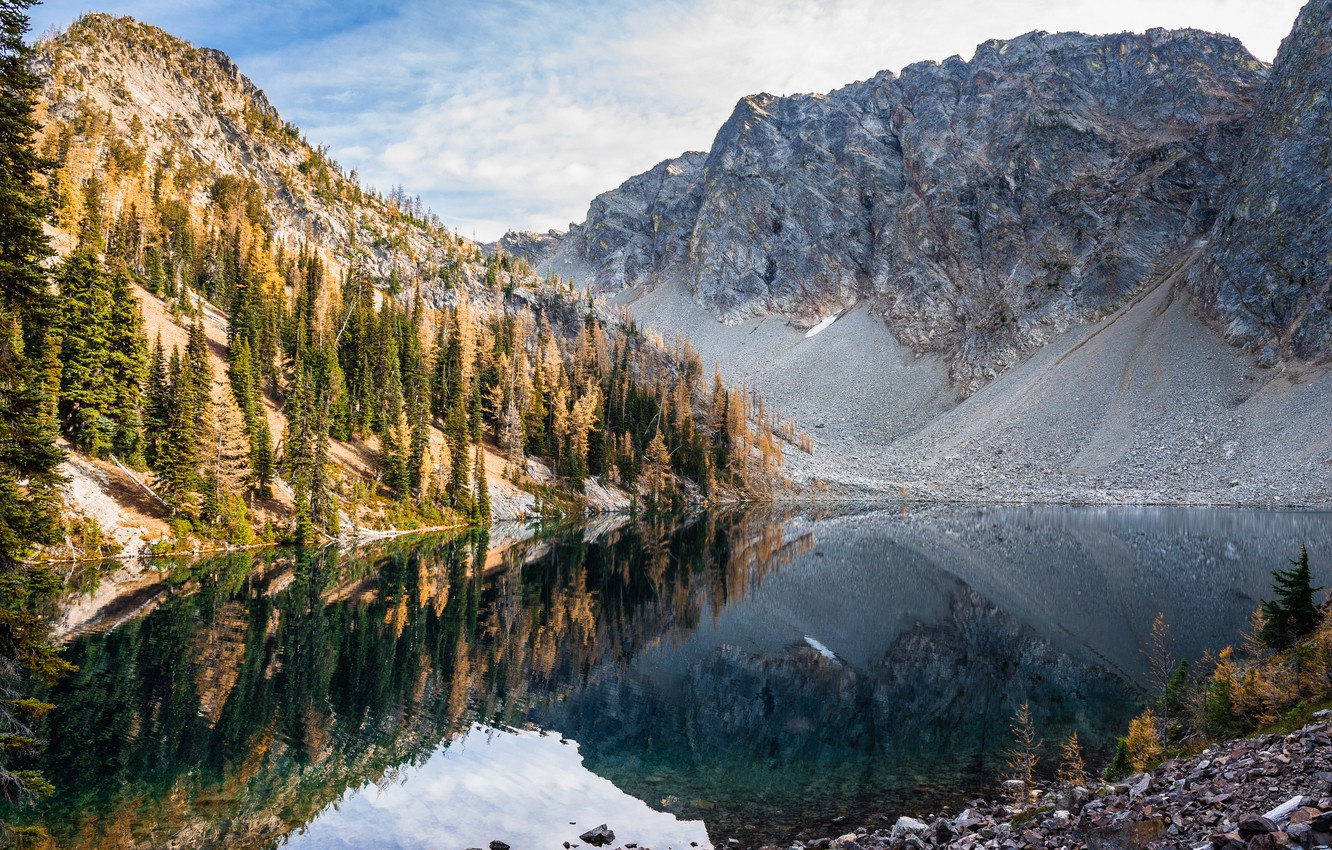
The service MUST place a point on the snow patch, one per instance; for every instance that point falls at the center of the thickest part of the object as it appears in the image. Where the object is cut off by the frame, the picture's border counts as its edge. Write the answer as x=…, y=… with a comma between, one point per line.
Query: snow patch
x=821, y=649
x=821, y=325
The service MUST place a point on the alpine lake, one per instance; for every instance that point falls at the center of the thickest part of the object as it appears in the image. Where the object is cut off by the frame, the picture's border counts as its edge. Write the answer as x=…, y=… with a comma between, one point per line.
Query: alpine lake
x=756, y=675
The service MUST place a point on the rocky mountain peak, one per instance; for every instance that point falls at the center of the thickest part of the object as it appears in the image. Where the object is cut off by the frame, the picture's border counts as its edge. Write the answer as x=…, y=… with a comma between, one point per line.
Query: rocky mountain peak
x=531, y=246
x=981, y=207
x=122, y=100
x=99, y=39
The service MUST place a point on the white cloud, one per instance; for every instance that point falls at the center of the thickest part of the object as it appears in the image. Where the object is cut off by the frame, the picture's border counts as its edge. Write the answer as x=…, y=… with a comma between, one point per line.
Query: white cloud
x=515, y=114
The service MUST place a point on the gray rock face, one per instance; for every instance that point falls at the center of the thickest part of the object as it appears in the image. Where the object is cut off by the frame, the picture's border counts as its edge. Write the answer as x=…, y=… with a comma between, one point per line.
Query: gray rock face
x=535, y=248
x=1269, y=264
x=981, y=207
x=636, y=231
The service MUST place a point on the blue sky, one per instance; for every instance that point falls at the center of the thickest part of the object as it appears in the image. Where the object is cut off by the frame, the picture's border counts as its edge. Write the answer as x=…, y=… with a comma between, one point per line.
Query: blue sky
x=516, y=113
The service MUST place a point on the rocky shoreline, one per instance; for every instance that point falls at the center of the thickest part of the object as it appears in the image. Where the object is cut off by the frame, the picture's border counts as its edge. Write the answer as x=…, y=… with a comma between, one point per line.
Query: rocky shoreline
x=1249, y=794
x=1262, y=793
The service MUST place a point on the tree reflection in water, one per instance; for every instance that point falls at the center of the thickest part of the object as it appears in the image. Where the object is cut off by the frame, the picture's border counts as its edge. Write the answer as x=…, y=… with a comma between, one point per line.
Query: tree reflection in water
x=746, y=670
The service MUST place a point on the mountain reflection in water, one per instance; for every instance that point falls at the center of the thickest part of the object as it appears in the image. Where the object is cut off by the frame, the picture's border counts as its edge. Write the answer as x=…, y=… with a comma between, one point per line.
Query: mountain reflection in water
x=756, y=673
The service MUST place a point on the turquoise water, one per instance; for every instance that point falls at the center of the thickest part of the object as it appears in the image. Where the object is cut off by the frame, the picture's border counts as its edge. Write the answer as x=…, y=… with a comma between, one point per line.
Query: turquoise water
x=743, y=675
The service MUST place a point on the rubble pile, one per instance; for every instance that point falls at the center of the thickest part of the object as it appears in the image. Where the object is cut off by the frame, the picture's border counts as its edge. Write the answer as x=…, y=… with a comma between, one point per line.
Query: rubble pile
x=1262, y=793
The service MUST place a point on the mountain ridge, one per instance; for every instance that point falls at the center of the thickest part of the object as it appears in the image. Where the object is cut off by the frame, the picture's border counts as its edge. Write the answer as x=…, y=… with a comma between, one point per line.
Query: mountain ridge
x=373, y=362
x=1114, y=336
x=981, y=207
x=199, y=103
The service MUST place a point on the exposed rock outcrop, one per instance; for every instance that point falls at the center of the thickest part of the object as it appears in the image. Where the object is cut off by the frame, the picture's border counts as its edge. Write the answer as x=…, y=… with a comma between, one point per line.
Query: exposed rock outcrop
x=123, y=99
x=981, y=207
x=1269, y=264
x=637, y=231
x=535, y=248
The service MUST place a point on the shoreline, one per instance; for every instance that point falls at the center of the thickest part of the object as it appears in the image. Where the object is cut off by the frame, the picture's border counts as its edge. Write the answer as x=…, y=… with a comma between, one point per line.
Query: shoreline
x=1258, y=793
x=366, y=535
x=868, y=502
x=1091, y=498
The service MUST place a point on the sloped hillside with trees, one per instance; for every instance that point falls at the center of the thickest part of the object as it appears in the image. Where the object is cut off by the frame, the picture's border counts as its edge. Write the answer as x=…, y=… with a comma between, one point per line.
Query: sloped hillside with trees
x=252, y=345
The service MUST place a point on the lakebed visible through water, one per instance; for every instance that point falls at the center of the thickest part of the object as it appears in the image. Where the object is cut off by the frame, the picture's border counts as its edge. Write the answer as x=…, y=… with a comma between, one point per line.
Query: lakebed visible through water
x=743, y=675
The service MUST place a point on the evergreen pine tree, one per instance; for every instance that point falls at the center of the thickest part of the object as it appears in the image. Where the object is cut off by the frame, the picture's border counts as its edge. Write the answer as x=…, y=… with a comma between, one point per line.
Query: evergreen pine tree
x=157, y=399
x=189, y=428
x=256, y=313
x=29, y=457
x=245, y=389
x=90, y=227
x=1292, y=613
x=455, y=427
x=305, y=459
x=416, y=402
x=416, y=456
x=335, y=394
x=481, y=505
x=86, y=392
x=323, y=496
x=178, y=452
x=199, y=370
x=104, y=357
x=298, y=460
x=393, y=459
x=391, y=421
x=127, y=362
x=1121, y=764
x=439, y=385
x=154, y=273
x=455, y=424
x=1175, y=698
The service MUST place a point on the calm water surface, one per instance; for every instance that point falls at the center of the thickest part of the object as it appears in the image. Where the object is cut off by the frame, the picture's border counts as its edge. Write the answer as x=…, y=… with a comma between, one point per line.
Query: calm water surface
x=746, y=676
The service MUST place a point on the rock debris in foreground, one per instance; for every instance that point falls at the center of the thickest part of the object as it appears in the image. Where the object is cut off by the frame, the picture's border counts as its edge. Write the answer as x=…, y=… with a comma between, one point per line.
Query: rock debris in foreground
x=1263, y=793
x=1257, y=794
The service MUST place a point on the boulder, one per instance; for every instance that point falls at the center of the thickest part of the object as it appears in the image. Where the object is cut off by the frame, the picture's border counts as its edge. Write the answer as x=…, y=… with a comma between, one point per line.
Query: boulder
x=1255, y=825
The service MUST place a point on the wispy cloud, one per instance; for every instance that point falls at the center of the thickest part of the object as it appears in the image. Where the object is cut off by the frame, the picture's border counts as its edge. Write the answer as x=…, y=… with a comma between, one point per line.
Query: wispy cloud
x=516, y=113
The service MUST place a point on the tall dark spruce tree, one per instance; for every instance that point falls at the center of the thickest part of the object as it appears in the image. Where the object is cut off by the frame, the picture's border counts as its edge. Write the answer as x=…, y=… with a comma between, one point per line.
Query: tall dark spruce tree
x=1292, y=613
x=29, y=378
x=103, y=359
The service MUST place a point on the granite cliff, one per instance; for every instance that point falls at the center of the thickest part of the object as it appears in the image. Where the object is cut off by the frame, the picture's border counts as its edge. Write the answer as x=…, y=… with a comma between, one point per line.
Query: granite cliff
x=1040, y=275
x=981, y=207
x=1268, y=269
